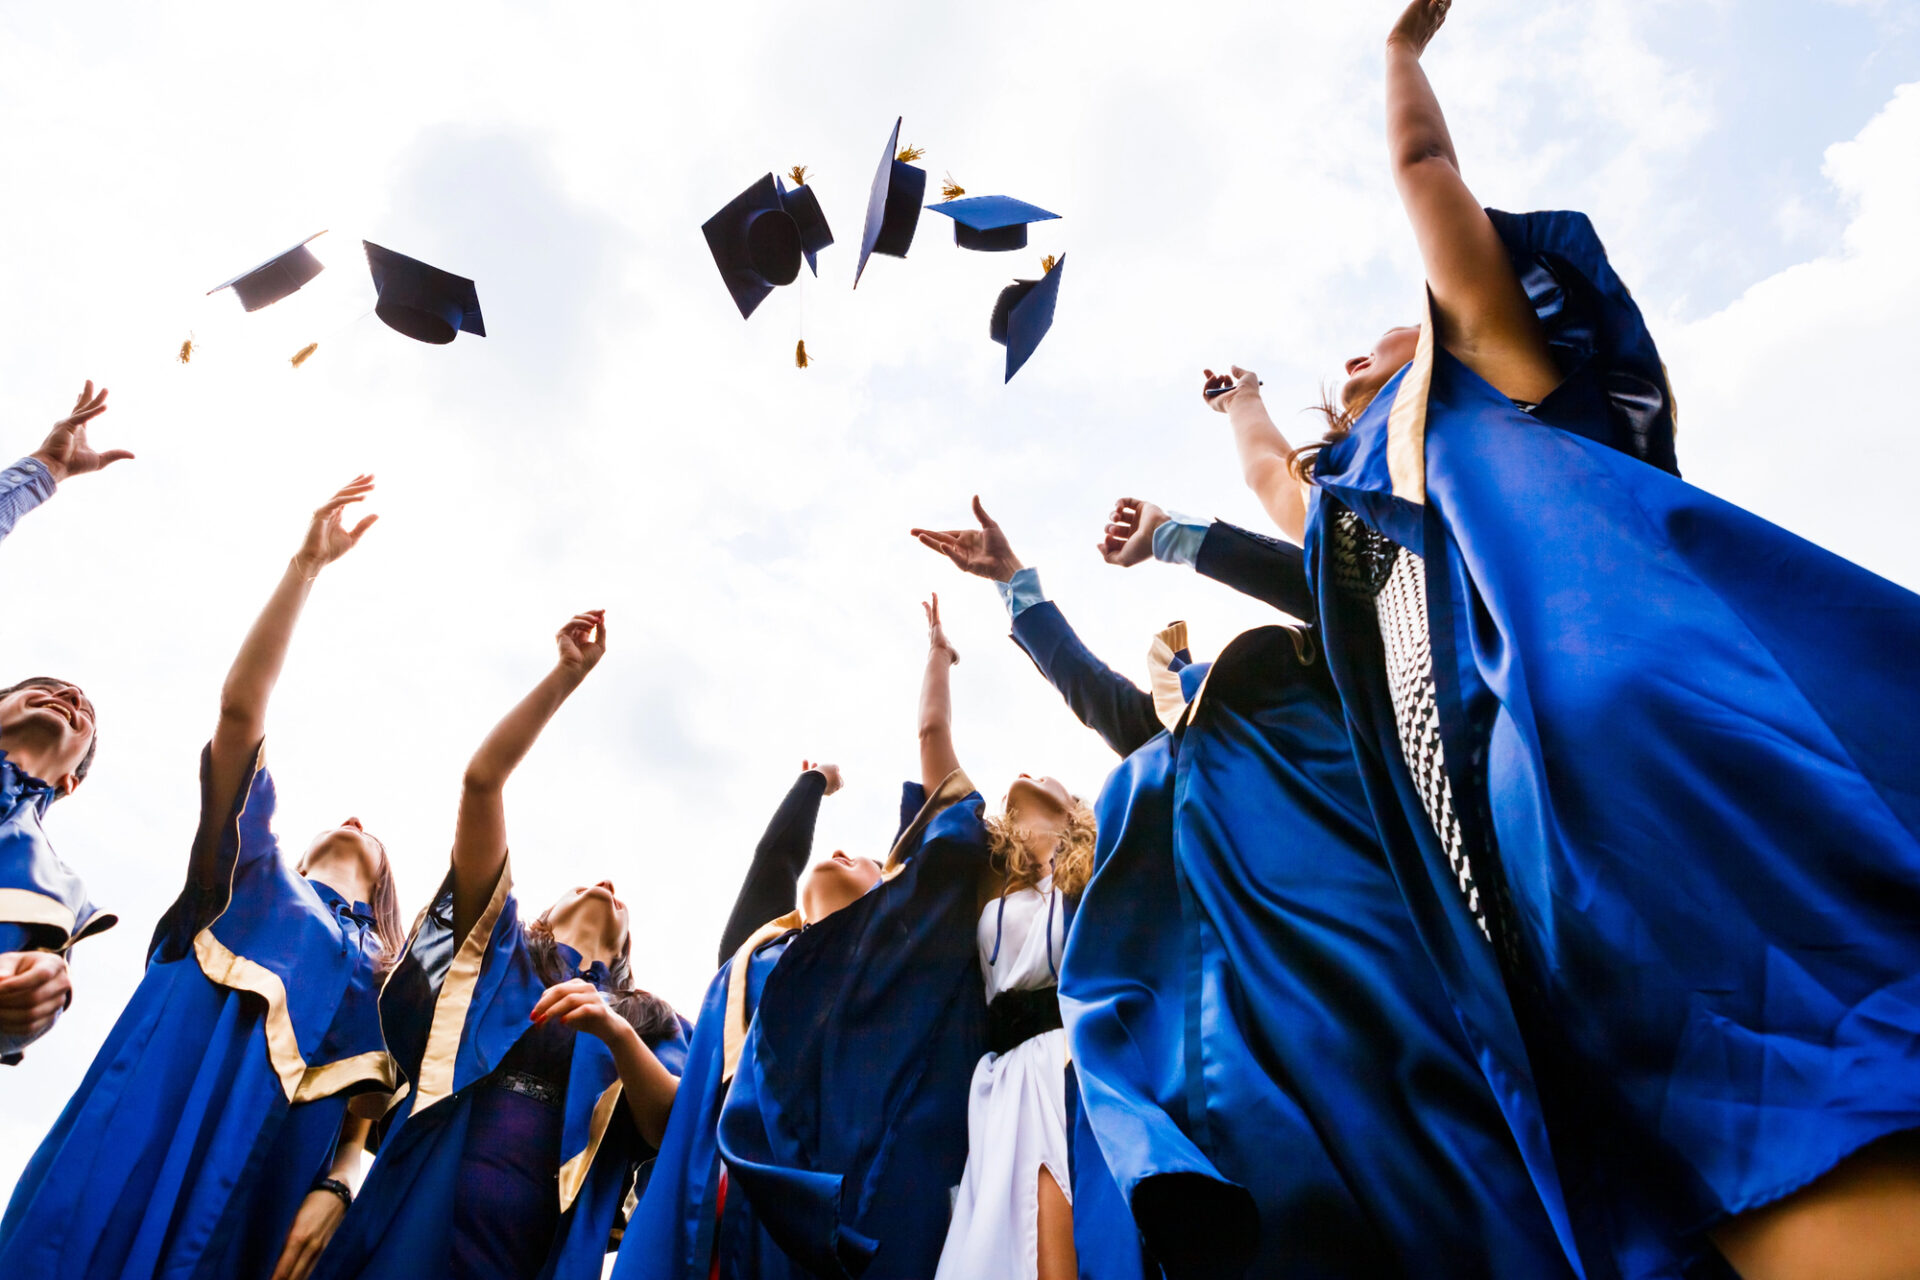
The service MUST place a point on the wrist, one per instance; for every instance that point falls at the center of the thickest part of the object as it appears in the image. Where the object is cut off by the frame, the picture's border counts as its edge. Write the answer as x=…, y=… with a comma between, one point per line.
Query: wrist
x=1004, y=570
x=308, y=567
x=333, y=1187
x=55, y=468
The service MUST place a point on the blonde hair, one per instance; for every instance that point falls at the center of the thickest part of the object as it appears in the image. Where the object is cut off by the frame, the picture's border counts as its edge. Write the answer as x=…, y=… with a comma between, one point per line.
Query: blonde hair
x=1339, y=419
x=1011, y=850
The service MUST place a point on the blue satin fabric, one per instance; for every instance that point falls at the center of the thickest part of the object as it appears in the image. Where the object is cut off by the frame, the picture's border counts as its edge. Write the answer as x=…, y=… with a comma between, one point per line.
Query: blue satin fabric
x=1275, y=1075
x=846, y=1125
x=1683, y=737
x=180, y=1154
x=28, y=864
x=672, y=1233
x=400, y=1225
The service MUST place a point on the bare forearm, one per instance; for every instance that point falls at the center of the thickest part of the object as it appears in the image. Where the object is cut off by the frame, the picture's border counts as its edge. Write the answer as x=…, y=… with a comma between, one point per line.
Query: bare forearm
x=256, y=669
x=347, y=1163
x=649, y=1087
x=507, y=745
x=1264, y=458
x=937, y=758
x=1416, y=127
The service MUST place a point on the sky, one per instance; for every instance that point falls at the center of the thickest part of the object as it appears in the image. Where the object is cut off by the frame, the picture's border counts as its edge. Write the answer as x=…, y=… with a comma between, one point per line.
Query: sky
x=622, y=440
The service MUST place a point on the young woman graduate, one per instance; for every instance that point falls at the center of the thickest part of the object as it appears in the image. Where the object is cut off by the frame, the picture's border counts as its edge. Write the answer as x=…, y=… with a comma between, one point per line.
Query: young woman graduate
x=533, y=1077
x=1700, y=936
x=211, y=1137
x=846, y=1127
x=1266, y=1056
x=687, y=1226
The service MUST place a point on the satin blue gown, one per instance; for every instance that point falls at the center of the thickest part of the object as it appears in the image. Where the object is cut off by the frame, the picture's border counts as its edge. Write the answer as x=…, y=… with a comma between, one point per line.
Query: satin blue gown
x=1680, y=749
x=1270, y=1065
x=219, y=1095
x=454, y=1012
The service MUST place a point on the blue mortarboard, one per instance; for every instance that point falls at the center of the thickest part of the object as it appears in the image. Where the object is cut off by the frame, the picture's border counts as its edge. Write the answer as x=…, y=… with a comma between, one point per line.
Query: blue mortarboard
x=893, y=207
x=1023, y=314
x=756, y=243
x=991, y=223
x=275, y=278
x=804, y=207
x=420, y=301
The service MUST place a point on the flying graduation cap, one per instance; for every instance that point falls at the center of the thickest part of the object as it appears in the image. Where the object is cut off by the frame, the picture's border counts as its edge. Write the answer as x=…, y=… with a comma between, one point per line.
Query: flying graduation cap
x=275, y=278
x=423, y=302
x=1023, y=313
x=893, y=206
x=991, y=223
x=804, y=207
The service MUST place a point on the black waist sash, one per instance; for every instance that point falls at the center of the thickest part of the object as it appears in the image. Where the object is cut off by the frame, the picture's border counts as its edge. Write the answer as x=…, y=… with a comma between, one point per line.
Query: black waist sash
x=1015, y=1017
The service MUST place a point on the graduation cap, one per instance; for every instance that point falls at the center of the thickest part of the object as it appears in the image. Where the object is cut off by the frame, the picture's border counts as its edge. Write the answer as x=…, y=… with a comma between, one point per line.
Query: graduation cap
x=420, y=301
x=1023, y=314
x=991, y=223
x=804, y=208
x=275, y=278
x=893, y=207
x=756, y=243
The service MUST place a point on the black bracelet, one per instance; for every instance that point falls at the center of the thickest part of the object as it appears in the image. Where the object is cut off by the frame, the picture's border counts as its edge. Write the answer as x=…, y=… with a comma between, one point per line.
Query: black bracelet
x=336, y=1187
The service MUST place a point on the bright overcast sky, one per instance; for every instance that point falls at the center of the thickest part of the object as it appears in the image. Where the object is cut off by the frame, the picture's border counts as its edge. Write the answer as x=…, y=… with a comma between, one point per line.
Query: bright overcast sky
x=623, y=440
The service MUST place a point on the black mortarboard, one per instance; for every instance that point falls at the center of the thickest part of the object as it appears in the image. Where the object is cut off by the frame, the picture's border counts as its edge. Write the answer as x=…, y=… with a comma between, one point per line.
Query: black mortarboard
x=1023, y=314
x=893, y=207
x=755, y=243
x=275, y=278
x=804, y=207
x=420, y=301
x=991, y=223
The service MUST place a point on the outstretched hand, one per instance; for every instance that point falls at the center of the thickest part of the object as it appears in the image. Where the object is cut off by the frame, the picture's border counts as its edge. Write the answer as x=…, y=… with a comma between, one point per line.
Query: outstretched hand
x=1418, y=25
x=1240, y=385
x=1128, y=539
x=937, y=641
x=983, y=552
x=65, y=451
x=583, y=642
x=328, y=538
x=831, y=772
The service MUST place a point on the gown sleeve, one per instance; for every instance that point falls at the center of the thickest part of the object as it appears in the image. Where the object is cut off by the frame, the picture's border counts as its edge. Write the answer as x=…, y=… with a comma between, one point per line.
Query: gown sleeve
x=779, y=858
x=1106, y=701
x=1254, y=564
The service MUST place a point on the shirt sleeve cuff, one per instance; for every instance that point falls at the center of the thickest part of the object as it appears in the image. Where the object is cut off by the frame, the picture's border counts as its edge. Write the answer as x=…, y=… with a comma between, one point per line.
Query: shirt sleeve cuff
x=1178, y=540
x=1021, y=592
x=34, y=475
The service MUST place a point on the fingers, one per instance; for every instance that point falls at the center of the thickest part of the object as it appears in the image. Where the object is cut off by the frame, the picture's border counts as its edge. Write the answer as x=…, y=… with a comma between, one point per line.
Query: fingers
x=933, y=609
x=980, y=514
x=554, y=995
x=112, y=456
x=27, y=972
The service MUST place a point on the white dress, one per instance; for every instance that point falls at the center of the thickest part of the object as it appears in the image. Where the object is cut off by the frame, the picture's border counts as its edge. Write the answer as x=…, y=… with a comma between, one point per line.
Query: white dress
x=1017, y=1114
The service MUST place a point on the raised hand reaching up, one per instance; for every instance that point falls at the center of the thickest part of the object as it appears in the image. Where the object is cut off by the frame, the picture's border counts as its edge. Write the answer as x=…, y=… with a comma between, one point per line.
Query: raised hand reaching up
x=983, y=552
x=1128, y=537
x=65, y=452
x=583, y=642
x=328, y=538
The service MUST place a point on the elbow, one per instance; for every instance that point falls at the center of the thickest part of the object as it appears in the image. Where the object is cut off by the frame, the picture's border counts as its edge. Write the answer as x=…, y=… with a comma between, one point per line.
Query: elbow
x=479, y=780
x=239, y=718
x=1427, y=153
x=933, y=732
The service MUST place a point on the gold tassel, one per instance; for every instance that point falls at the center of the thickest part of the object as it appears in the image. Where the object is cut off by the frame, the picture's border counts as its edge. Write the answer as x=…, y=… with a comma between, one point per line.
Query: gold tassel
x=300, y=356
x=799, y=175
x=1048, y=263
x=909, y=154
x=951, y=190
x=186, y=350
x=800, y=358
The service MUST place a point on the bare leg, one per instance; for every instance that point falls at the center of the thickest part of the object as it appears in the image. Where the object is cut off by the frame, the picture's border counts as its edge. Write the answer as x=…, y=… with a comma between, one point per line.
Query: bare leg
x=1057, y=1260
x=1859, y=1221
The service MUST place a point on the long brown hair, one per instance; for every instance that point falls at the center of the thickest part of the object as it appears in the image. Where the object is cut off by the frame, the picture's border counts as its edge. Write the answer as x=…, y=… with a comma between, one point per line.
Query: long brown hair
x=1012, y=853
x=387, y=925
x=1339, y=422
x=652, y=1018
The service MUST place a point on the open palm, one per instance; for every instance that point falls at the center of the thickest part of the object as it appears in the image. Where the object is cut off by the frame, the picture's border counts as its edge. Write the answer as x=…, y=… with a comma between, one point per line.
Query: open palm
x=328, y=538
x=65, y=452
x=983, y=552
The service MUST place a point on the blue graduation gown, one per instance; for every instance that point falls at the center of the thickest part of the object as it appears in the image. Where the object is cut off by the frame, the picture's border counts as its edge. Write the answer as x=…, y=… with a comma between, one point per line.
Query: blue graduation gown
x=846, y=1124
x=219, y=1095
x=43, y=904
x=1271, y=1067
x=451, y=1011
x=1681, y=738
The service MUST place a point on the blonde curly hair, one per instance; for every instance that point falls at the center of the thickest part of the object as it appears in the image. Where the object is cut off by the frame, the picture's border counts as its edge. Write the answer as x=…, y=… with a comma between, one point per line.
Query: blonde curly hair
x=1012, y=852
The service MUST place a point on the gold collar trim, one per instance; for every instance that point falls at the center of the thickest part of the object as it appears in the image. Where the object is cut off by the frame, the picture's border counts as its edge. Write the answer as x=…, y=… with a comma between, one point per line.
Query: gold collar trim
x=953, y=788
x=736, y=1012
x=456, y=995
x=1407, y=419
x=1169, y=702
x=573, y=1174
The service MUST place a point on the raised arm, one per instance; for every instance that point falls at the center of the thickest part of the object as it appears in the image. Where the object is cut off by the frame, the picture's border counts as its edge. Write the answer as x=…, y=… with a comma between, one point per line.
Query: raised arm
x=1265, y=455
x=937, y=758
x=65, y=452
x=1483, y=314
x=480, y=834
x=256, y=669
x=780, y=857
x=1267, y=569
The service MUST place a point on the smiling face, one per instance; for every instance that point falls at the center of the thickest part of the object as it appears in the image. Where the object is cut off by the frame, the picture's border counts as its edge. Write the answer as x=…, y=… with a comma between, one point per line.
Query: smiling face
x=47, y=725
x=1367, y=374
x=835, y=882
x=592, y=920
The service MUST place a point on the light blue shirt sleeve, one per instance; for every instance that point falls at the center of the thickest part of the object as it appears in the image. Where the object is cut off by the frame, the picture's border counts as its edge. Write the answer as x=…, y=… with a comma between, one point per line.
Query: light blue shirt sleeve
x=1178, y=540
x=1021, y=592
x=23, y=486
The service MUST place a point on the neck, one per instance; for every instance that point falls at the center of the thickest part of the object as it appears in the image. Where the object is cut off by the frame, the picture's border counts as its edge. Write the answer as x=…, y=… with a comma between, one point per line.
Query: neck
x=28, y=751
x=590, y=948
x=345, y=881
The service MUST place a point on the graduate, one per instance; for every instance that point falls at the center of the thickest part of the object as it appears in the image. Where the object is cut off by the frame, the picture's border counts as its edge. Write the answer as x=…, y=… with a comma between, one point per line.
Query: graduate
x=211, y=1137
x=65, y=452
x=686, y=1226
x=1641, y=760
x=1267, y=1058
x=534, y=1077
x=846, y=1127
